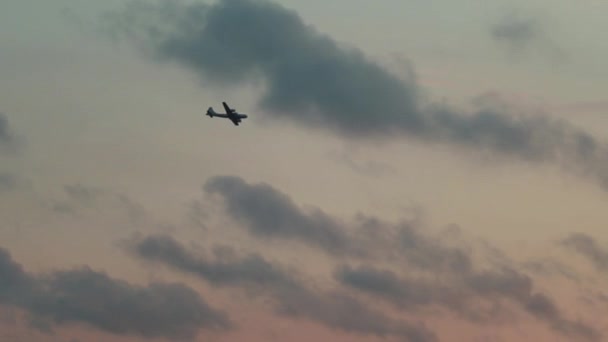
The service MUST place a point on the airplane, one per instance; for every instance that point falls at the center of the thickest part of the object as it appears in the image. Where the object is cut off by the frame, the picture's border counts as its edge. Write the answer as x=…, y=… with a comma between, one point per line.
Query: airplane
x=231, y=114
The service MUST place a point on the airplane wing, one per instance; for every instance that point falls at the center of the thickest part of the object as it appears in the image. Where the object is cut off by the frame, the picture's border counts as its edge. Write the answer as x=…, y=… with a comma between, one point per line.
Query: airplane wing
x=227, y=108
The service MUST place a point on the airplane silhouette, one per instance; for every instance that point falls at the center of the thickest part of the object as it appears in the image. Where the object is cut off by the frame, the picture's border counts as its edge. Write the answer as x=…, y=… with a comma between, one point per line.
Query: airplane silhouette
x=231, y=114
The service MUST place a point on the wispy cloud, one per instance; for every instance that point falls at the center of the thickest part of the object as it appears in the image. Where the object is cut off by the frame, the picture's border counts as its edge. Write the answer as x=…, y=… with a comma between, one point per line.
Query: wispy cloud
x=367, y=168
x=586, y=246
x=80, y=199
x=522, y=34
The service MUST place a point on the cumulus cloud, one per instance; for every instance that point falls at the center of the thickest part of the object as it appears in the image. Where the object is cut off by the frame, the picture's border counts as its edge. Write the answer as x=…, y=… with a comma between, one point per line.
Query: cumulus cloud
x=312, y=79
x=86, y=296
x=292, y=298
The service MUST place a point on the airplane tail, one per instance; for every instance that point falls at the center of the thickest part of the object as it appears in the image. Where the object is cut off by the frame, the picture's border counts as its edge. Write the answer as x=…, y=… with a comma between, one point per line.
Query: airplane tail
x=211, y=112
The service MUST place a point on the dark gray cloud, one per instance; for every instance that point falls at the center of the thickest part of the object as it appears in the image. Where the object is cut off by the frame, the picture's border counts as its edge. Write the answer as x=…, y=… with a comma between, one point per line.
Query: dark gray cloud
x=462, y=293
x=254, y=271
x=8, y=140
x=160, y=309
x=312, y=79
x=415, y=294
x=270, y=213
x=427, y=252
x=292, y=298
x=6, y=136
x=339, y=310
x=309, y=76
x=586, y=246
x=517, y=31
x=13, y=279
x=519, y=287
x=404, y=293
x=86, y=296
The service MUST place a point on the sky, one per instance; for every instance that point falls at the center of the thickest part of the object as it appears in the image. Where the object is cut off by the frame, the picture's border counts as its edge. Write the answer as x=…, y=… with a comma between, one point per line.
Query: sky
x=409, y=171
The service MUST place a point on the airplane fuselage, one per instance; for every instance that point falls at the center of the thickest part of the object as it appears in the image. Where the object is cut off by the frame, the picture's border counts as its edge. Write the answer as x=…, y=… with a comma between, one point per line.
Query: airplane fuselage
x=231, y=114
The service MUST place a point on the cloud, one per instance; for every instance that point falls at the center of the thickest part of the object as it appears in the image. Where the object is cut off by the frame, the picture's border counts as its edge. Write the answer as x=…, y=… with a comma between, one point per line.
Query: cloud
x=339, y=310
x=312, y=79
x=519, y=287
x=81, y=193
x=291, y=296
x=424, y=251
x=254, y=271
x=367, y=168
x=81, y=199
x=445, y=272
x=85, y=296
x=462, y=293
x=268, y=213
x=551, y=268
x=516, y=31
x=6, y=136
x=404, y=293
x=8, y=140
x=586, y=246
x=303, y=69
x=522, y=34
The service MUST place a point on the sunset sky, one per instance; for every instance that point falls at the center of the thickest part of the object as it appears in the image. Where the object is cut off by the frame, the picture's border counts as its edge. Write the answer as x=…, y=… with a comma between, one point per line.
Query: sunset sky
x=409, y=171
